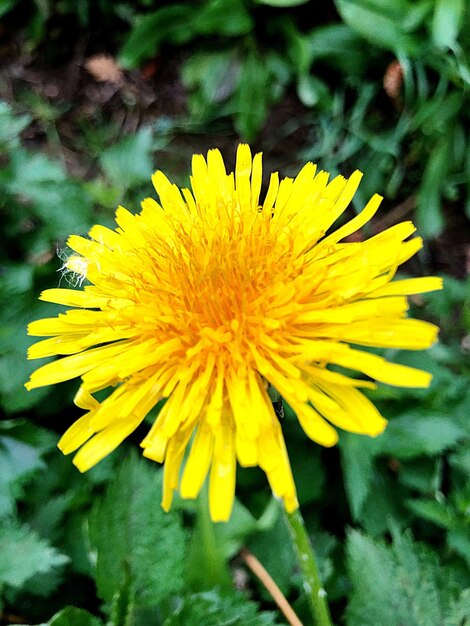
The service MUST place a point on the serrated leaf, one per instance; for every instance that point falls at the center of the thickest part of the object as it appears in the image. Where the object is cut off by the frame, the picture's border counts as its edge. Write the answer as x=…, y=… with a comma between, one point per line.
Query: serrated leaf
x=25, y=554
x=122, y=609
x=128, y=162
x=130, y=531
x=71, y=616
x=18, y=461
x=384, y=504
x=459, y=612
x=11, y=125
x=63, y=205
x=357, y=459
x=413, y=435
x=434, y=511
x=458, y=539
x=31, y=169
x=214, y=609
x=371, y=568
x=398, y=584
x=461, y=459
x=14, y=368
x=423, y=475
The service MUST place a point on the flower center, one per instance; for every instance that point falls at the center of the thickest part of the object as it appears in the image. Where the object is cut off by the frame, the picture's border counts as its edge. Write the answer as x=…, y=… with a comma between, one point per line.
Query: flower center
x=228, y=278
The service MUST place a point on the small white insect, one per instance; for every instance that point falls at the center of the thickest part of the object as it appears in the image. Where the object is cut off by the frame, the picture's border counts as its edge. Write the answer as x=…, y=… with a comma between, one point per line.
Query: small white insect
x=74, y=268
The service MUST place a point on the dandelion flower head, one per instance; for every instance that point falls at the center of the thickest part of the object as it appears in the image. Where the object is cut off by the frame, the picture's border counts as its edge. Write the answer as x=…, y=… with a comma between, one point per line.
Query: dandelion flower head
x=212, y=295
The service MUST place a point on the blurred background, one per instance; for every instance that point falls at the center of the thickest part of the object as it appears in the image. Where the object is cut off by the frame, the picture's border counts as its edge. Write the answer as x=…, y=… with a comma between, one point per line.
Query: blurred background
x=95, y=96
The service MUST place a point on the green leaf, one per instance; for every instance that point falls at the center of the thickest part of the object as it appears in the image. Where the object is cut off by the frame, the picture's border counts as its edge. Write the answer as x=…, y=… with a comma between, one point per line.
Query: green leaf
x=61, y=203
x=122, y=610
x=17, y=278
x=459, y=612
x=214, y=75
x=25, y=554
x=14, y=342
x=71, y=616
x=309, y=473
x=11, y=125
x=461, y=459
x=422, y=474
x=311, y=90
x=429, y=211
x=384, y=504
x=380, y=23
x=169, y=24
x=447, y=21
x=18, y=461
x=63, y=208
x=129, y=162
x=398, y=584
x=357, y=459
x=31, y=169
x=215, y=609
x=415, y=434
x=282, y=3
x=211, y=18
x=370, y=567
x=340, y=46
x=207, y=560
x=131, y=532
x=6, y=5
x=432, y=510
x=233, y=534
x=252, y=102
x=458, y=538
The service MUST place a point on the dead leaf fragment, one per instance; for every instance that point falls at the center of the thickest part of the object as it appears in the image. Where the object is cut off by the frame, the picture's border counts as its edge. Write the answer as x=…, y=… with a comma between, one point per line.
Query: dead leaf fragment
x=393, y=80
x=103, y=68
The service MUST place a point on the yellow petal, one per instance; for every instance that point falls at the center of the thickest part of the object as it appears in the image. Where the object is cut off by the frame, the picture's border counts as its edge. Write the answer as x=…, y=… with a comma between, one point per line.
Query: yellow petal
x=73, y=297
x=85, y=400
x=103, y=443
x=364, y=416
x=76, y=435
x=409, y=286
x=73, y=366
x=314, y=426
x=173, y=459
x=377, y=367
x=222, y=476
x=198, y=462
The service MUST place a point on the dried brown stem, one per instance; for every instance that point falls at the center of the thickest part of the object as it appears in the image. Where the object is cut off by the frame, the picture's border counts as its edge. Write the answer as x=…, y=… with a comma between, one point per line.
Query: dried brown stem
x=259, y=570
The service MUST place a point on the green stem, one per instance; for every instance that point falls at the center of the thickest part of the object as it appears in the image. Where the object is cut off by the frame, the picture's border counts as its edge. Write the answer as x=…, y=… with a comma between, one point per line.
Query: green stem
x=207, y=567
x=316, y=594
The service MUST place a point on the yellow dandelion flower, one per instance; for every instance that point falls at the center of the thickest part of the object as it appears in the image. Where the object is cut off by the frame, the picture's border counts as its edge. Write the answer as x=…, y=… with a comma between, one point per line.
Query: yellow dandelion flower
x=211, y=296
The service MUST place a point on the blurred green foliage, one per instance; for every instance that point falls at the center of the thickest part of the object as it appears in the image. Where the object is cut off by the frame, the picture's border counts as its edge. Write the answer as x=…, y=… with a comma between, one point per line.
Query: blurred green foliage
x=389, y=517
x=336, y=59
